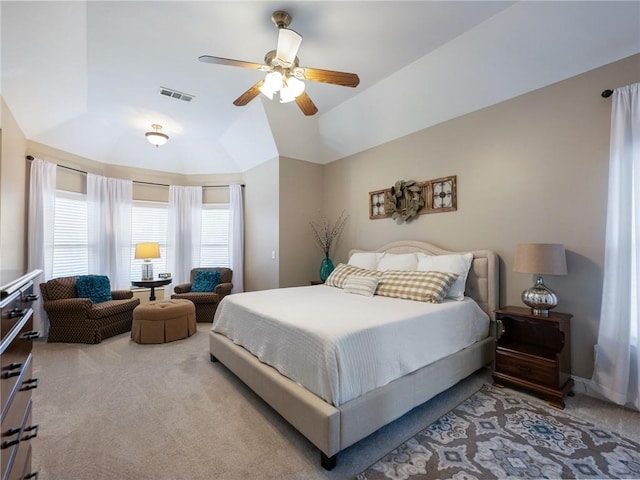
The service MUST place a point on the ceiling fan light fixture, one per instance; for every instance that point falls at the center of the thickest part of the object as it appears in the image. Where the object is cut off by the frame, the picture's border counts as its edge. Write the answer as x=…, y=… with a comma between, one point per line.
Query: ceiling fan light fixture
x=292, y=89
x=156, y=137
x=272, y=84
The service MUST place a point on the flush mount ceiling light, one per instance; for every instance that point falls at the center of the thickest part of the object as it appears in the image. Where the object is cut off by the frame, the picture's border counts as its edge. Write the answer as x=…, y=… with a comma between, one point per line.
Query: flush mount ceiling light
x=156, y=137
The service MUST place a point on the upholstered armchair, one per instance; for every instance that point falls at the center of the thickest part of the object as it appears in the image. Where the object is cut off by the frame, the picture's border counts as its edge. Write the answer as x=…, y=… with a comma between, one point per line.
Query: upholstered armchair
x=76, y=319
x=206, y=302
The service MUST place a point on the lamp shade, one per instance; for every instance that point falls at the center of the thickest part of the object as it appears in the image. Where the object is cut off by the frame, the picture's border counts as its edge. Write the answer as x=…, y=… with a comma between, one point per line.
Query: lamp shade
x=541, y=259
x=147, y=250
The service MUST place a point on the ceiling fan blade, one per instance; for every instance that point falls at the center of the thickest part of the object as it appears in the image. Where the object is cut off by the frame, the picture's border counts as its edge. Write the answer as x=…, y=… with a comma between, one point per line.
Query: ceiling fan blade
x=249, y=95
x=230, y=62
x=288, y=45
x=306, y=104
x=329, y=76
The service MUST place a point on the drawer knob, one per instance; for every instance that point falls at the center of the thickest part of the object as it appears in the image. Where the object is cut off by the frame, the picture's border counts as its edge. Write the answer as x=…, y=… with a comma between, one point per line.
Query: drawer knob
x=30, y=428
x=32, y=297
x=14, y=369
x=29, y=384
x=33, y=475
x=11, y=443
x=524, y=369
x=18, y=312
x=30, y=335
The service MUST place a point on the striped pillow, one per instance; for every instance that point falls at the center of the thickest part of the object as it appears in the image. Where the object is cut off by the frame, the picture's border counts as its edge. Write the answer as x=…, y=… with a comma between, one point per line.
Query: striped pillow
x=361, y=285
x=429, y=287
x=342, y=271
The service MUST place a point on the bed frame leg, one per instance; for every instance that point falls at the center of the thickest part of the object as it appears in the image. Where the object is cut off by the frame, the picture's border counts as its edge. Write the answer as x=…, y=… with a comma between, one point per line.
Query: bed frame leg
x=328, y=462
x=213, y=358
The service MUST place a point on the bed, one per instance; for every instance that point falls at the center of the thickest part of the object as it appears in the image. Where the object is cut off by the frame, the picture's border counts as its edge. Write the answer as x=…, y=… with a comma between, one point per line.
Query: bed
x=334, y=415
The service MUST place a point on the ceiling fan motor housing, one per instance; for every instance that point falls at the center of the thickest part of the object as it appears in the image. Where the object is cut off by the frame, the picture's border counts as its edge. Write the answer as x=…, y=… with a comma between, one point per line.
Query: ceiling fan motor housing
x=281, y=19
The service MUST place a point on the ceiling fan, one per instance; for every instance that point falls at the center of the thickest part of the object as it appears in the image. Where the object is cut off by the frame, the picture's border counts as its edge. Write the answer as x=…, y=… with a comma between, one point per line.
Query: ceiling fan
x=284, y=75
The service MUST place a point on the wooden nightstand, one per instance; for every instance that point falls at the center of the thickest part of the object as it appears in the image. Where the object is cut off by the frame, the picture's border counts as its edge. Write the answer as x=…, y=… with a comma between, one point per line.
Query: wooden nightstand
x=534, y=353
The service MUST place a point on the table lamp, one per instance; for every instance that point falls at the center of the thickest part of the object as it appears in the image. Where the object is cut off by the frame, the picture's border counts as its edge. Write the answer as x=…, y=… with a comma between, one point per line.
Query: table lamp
x=147, y=251
x=540, y=259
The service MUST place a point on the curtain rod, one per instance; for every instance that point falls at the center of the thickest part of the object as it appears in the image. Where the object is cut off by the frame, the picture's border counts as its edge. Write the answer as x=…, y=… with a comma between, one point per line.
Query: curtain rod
x=606, y=93
x=29, y=157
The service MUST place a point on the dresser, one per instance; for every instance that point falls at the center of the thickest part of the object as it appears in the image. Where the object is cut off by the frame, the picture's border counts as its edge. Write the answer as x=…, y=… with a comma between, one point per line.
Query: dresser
x=16, y=379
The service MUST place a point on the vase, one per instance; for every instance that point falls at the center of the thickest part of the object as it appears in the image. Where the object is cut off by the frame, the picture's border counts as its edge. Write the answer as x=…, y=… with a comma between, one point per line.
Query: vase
x=326, y=267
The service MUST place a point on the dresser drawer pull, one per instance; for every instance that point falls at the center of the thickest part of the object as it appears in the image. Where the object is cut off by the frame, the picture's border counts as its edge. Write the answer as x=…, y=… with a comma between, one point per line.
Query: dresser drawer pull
x=18, y=312
x=30, y=428
x=33, y=475
x=32, y=297
x=30, y=335
x=6, y=443
x=524, y=369
x=29, y=384
x=14, y=369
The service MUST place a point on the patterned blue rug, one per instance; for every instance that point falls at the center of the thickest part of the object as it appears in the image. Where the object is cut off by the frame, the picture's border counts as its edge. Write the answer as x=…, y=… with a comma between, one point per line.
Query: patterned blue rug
x=495, y=434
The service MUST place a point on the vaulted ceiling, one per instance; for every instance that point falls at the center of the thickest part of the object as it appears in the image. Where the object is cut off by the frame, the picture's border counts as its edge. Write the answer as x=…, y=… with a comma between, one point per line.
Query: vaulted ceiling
x=85, y=76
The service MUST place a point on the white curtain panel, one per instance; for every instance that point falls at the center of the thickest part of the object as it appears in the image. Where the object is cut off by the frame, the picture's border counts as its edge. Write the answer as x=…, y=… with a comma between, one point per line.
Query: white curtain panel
x=236, y=237
x=617, y=367
x=109, y=205
x=42, y=199
x=184, y=231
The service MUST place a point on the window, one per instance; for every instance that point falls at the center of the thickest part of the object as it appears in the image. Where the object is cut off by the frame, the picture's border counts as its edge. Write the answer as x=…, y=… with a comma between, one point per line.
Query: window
x=214, y=247
x=149, y=224
x=70, y=237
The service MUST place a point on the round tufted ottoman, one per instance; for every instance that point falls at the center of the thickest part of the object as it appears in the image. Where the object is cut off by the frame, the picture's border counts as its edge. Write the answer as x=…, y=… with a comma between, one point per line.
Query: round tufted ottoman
x=163, y=321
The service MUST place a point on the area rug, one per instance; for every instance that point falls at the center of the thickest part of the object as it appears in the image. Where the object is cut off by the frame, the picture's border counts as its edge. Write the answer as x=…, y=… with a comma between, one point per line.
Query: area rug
x=498, y=434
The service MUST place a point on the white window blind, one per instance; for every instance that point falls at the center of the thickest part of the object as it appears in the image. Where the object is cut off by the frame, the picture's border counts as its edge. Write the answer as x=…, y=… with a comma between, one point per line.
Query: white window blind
x=70, y=238
x=149, y=224
x=214, y=250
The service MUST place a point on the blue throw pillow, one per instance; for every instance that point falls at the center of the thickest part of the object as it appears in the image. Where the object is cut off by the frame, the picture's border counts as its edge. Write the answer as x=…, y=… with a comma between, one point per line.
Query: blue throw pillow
x=205, y=281
x=94, y=287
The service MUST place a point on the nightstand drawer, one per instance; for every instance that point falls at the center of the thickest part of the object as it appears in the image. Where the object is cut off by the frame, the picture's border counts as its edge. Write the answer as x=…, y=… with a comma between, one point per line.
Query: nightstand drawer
x=538, y=371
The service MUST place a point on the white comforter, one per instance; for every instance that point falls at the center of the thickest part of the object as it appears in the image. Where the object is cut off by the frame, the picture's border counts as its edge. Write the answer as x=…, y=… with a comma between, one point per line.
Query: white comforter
x=339, y=345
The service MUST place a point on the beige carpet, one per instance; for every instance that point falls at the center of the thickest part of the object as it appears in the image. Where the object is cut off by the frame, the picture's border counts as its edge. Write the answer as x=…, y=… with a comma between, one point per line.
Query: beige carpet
x=119, y=410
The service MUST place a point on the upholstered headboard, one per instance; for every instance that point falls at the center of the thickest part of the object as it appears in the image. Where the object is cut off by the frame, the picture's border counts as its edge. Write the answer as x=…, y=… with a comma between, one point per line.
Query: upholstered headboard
x=482, y=282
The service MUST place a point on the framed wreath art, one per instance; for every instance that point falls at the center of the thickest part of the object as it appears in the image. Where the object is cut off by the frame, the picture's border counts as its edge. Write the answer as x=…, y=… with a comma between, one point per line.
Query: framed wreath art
x=407, y=199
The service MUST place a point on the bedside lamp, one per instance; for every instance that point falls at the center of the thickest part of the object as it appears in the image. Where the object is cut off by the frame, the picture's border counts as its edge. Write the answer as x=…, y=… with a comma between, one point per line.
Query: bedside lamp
x=147, y=251
x=540, y=259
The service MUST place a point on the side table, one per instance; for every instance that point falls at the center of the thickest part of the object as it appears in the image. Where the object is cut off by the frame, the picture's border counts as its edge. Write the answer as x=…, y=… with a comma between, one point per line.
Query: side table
x=152, y=284
x=534, y=353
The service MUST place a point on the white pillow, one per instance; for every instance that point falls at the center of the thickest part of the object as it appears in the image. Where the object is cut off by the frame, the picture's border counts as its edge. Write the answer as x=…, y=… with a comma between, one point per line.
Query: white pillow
x=368, y=260
x=398, y=261
x=361, y=285
x=459, y=264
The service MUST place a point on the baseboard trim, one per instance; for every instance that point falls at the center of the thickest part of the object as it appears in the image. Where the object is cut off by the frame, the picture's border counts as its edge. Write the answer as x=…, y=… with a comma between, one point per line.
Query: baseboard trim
x=582, y=385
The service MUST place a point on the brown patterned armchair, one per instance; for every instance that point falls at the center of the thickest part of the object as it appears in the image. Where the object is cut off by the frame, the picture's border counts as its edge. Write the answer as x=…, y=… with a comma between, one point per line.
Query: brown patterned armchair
x=78, y=320
x=206, y=302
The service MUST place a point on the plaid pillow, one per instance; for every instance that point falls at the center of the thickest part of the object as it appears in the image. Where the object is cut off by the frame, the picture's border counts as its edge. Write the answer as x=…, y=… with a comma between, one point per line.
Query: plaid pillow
x=361, y=285
x=342, y=271
x=429, y=287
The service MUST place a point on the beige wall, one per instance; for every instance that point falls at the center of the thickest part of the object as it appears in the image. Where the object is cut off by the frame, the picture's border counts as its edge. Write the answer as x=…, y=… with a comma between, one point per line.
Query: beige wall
x=301, y=187
x=13, y=198
x=531, y=169
x=261, y=220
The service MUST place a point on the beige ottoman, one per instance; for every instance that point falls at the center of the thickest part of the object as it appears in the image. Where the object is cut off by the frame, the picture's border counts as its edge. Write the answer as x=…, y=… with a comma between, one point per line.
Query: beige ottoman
x=163, y=321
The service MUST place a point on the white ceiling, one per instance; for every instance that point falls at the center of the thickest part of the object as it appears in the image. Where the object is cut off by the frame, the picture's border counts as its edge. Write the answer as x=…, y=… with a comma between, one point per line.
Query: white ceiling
x=84, y=76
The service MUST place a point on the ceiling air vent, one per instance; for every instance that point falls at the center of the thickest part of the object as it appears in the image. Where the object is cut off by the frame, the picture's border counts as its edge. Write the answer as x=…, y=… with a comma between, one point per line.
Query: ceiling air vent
x=167, y=92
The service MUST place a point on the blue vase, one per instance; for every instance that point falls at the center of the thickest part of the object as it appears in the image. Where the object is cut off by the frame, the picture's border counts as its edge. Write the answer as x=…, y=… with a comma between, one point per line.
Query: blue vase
x=326, y=267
